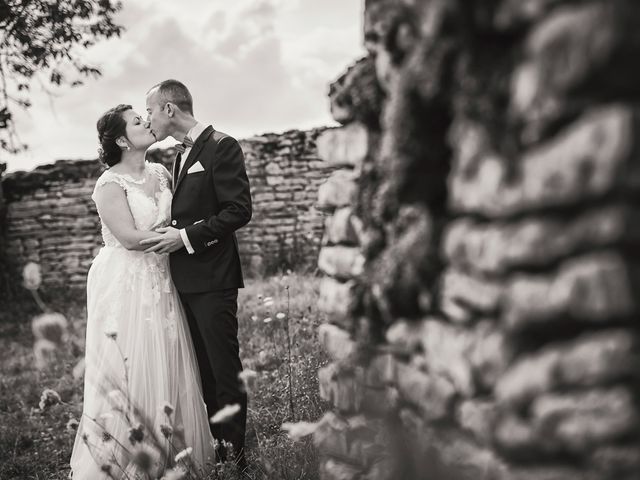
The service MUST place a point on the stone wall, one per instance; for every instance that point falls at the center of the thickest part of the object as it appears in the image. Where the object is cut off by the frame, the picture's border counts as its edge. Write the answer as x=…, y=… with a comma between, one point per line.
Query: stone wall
x=4, y=277
x=483, y=293
x=52, y=220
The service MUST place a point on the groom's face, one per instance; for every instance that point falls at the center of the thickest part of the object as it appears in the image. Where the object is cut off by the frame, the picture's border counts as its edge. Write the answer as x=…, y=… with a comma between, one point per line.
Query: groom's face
x=157, y=115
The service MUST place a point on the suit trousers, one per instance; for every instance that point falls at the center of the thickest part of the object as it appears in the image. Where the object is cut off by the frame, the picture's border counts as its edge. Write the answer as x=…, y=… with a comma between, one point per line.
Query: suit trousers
x=213, y=322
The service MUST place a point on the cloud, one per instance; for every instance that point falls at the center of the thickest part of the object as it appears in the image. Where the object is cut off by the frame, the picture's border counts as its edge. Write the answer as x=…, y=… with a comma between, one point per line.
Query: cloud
x=252, y=66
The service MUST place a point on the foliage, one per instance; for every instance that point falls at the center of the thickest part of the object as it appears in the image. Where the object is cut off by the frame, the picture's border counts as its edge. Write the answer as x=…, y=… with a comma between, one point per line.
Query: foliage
x=40, y=40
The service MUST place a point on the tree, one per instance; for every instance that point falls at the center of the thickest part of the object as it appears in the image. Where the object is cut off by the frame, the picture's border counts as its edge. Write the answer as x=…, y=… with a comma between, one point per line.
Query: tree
x=42, y=40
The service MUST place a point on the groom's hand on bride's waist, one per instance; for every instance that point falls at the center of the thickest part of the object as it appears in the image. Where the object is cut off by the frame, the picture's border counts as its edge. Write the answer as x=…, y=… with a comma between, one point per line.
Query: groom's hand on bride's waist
x=168, y=240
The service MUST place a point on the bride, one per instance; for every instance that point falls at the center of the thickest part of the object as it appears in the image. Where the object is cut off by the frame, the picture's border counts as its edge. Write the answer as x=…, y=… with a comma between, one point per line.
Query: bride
x=143, y=404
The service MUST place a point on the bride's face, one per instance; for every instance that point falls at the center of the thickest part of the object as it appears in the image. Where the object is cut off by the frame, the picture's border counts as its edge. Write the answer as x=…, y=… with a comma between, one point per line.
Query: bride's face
x=138, y=133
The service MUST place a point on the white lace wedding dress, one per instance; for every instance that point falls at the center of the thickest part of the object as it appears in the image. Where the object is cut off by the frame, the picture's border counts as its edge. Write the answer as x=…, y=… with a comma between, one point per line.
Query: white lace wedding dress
x=134, y=318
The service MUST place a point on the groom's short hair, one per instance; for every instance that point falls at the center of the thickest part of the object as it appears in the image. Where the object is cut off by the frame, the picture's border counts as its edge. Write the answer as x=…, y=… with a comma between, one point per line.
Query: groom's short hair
x=175, y=92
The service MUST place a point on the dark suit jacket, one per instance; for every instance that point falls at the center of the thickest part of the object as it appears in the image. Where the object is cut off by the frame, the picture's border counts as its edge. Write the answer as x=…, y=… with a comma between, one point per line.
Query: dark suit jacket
x=210, y=205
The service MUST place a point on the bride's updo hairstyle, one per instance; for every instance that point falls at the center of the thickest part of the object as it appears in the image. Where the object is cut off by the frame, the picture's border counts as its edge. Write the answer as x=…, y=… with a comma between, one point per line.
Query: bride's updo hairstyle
x=111, y=126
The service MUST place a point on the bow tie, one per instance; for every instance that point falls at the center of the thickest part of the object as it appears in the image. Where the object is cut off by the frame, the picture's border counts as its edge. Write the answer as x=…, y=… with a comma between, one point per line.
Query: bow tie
x=186, y=143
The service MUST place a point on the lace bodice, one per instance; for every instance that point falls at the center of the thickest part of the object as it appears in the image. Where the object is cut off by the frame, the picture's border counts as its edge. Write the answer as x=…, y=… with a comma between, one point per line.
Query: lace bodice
x=148, y=211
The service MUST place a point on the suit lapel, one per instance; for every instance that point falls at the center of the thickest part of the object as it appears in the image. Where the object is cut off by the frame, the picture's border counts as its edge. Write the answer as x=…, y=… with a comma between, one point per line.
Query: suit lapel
x=193, y=154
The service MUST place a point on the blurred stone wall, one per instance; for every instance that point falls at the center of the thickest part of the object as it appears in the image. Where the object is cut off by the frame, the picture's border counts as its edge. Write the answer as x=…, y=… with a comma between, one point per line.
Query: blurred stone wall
x=4, y=277
x=52, y=220
x=483, y=292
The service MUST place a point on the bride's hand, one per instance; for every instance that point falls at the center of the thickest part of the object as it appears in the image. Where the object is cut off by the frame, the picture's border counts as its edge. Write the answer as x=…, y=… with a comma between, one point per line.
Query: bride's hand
x=168, y=241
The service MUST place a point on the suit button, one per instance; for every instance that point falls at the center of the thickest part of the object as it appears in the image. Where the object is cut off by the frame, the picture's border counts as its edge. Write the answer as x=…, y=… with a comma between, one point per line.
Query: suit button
x=174, y=222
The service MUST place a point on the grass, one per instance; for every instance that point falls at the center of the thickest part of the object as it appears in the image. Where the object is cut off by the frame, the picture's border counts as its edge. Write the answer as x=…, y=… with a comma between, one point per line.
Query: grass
x=36, y=444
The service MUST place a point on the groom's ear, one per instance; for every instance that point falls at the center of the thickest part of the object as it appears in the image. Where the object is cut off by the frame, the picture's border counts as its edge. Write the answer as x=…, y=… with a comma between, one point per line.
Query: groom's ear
x=171, y=109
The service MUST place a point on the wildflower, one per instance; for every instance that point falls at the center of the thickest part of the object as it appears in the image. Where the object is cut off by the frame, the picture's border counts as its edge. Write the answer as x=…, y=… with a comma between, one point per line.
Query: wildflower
x=280, y=315
x=31, y=276
x=268, y=301
x=43, y=350
x=228, y=447
x=183, y=454
x=254, y=318
x=143, y=457
x=49, y=398
x=167, y=408
x=50, y=326
x=267, y=320
x=136, y=434
x=225, y=413
x=297, y=431
x=118, y=400
x=166, y=430
x=248, y=379
x=72, y=425
x=112, y=334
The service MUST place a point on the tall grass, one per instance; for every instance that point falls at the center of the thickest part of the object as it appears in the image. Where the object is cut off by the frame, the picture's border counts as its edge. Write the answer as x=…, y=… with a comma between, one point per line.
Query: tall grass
x=35, y=442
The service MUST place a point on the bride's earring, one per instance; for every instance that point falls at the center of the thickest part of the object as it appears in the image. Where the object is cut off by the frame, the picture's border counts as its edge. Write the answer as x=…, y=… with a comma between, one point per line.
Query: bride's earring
x=128, y=148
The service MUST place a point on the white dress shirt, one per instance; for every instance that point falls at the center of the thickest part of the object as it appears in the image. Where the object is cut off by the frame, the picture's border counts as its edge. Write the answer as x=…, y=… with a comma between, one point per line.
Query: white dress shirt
x=193, y=134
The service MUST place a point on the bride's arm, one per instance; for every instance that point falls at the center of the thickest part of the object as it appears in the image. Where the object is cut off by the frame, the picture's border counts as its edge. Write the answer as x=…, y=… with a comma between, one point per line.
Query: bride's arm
x=114, y=211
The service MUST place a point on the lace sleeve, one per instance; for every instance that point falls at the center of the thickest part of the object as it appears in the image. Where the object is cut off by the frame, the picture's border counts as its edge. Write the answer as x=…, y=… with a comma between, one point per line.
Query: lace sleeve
x=163, y=174
x=108, y=177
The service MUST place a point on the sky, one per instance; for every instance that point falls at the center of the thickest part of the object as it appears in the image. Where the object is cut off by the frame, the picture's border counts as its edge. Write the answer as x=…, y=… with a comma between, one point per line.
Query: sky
x=252, y=66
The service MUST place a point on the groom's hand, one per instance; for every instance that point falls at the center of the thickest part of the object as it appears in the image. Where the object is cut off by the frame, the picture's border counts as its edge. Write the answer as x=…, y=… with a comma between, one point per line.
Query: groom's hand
x=169, y=241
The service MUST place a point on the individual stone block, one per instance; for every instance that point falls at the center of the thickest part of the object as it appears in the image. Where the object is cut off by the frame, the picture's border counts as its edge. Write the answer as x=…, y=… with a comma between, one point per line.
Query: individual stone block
x=343, y=227
x=600, y=358
x=336, y=342
x=380, y=370
x=341, y=262
x=617, y=461
x=432, y=394
x=489, y=355
x=589, y=159
x=344, y=390
x=463, y=295
x=356, y=95
x=589, y=360
x=346, y=146
x=595, y=288
x=445, y=348
x=338, y=191
x=497, y=248
x=335, y=299
x=478, y=417
x=577, y=422
x=515, y=13
x=516, y=438
x=530, y=377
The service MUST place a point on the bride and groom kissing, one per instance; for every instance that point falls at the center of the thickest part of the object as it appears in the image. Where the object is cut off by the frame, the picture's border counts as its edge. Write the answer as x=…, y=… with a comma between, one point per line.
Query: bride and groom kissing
x=162, y=292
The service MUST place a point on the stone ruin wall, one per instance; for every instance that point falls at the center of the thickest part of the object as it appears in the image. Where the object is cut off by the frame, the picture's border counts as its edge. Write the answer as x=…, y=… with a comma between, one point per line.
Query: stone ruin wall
x=483, y=292
x=51, y=219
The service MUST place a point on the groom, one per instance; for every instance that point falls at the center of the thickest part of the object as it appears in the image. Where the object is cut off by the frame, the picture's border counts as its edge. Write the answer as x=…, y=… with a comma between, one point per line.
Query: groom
x=211, y=200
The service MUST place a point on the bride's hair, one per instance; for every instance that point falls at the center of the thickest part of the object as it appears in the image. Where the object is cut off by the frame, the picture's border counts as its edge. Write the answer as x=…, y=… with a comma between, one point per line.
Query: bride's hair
x=111, y=126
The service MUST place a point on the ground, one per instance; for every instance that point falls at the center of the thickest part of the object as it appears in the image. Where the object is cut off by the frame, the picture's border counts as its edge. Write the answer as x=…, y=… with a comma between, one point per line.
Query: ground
x=36, y=444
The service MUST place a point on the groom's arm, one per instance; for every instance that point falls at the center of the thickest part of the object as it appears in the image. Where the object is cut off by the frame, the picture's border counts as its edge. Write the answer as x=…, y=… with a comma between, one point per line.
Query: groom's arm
x=231, y=185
